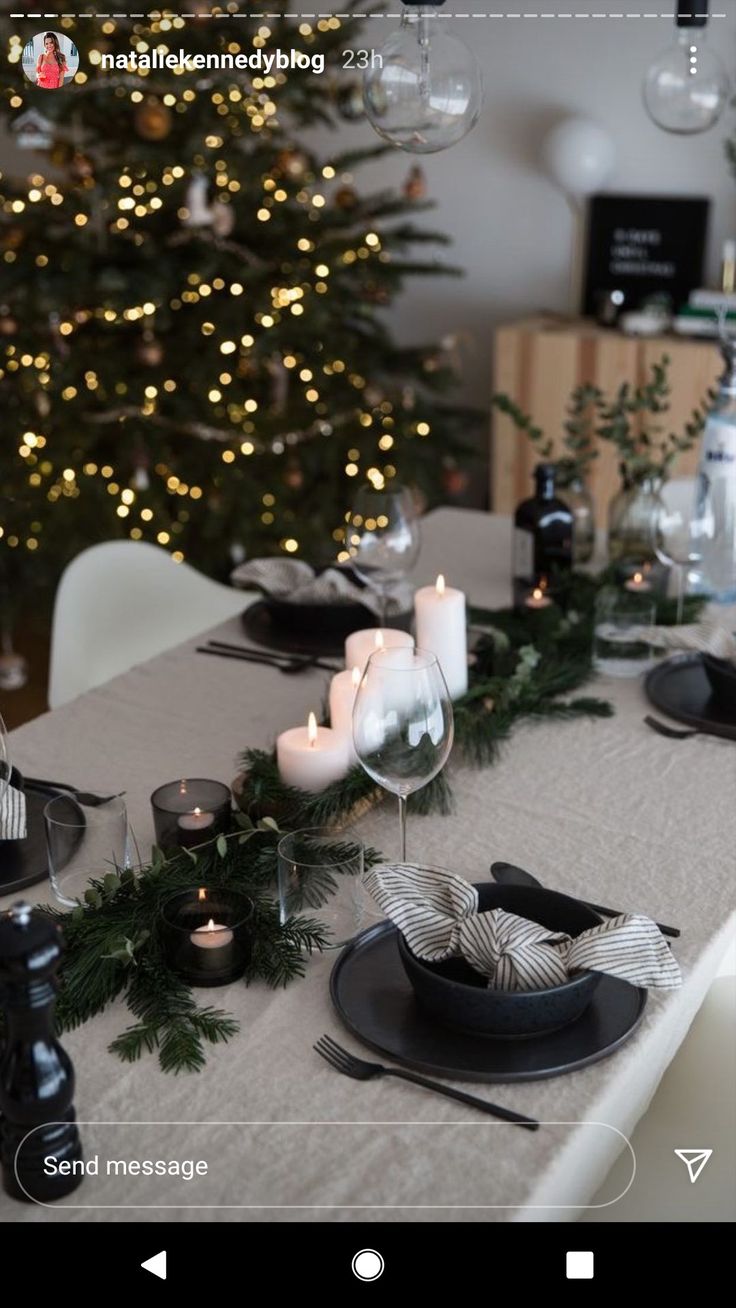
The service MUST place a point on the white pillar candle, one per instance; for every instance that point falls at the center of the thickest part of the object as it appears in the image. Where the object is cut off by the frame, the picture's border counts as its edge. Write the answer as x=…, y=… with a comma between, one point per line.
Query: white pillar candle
x=441, y=629
x=343, y=689
x=361, y=644
x=311, y=757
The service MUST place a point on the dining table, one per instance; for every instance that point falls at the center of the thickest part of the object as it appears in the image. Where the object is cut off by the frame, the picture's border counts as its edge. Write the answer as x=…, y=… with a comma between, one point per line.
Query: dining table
x=604, y=809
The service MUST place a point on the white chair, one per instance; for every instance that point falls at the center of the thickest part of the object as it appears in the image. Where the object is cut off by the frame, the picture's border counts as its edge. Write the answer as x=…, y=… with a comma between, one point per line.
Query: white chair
x=121, y=603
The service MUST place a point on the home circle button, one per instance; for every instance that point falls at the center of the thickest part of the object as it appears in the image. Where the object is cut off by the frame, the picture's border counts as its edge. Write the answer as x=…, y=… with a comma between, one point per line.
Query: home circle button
x=367, y=1265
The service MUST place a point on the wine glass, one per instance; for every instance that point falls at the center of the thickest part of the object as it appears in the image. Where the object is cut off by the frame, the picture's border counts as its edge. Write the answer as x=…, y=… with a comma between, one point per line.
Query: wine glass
x=402, y=723
x=682, y=528
x=382, y=538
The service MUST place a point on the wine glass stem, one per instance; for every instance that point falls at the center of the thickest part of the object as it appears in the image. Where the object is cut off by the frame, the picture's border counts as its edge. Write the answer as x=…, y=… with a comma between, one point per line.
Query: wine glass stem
x=382, y=604
x=680, y=593
x=402, y=826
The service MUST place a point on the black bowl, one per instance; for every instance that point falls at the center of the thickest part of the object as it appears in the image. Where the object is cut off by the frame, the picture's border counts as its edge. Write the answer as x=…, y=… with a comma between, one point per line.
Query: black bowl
x=458, y=996
x=722, y=677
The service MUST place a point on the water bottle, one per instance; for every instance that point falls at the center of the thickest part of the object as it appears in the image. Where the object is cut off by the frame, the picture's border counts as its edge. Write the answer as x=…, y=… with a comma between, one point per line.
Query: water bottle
x=717, y=487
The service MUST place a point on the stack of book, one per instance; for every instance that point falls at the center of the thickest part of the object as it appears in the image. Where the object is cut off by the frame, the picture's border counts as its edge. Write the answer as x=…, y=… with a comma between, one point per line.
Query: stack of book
x=703, y=312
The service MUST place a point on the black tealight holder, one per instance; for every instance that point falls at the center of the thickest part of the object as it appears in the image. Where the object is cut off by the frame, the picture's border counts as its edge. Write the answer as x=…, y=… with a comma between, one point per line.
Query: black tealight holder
x=206, y=934
x=190, y=812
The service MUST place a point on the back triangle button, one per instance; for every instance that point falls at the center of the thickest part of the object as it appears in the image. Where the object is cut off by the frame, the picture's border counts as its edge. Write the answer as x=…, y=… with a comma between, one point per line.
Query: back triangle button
x=694, y=1160
x=157, y=1265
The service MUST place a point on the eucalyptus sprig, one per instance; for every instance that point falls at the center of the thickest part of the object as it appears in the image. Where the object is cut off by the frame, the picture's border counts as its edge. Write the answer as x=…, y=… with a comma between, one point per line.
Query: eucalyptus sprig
x=578, y=440
x=631, y=421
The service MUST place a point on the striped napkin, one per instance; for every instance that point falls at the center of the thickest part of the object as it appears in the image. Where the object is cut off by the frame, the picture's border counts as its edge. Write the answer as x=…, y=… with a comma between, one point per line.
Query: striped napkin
x=13, y=815
x=295, y=580
x=707, y=637
x=437, y=913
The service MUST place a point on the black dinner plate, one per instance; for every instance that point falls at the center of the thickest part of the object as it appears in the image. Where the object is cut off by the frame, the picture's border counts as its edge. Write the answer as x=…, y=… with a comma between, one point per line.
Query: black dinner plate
x=25, y=862
x=318, y=629
x=376, y=1002
x=680, y=688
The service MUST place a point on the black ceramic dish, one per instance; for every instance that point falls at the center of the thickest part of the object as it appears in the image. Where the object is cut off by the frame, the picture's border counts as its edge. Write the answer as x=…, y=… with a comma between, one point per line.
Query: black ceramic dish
x=456, y=995
x=722, y=677
x=318, y=629
x=375, y=1002
x=680, y=688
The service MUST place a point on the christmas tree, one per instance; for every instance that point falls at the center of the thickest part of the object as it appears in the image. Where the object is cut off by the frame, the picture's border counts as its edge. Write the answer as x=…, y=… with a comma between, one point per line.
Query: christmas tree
x=193, y=348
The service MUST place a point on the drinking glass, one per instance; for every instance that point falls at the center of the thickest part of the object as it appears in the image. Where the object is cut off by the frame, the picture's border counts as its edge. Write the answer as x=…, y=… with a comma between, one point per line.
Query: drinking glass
x=383, y=538
x=402, y=723
x=84, y=841
x=620, y=644
x=320, y=872
x=682, y=527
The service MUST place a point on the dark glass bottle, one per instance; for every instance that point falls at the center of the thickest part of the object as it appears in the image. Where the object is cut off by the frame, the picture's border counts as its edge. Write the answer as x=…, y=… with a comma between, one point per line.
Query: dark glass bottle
x=543, y=538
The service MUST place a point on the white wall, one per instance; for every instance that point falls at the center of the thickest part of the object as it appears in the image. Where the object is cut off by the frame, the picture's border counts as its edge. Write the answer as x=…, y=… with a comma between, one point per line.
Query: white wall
x=510, y=227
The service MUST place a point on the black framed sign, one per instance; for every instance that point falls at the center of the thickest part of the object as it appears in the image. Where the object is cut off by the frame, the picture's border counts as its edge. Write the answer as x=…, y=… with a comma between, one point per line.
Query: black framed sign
x=644, y=245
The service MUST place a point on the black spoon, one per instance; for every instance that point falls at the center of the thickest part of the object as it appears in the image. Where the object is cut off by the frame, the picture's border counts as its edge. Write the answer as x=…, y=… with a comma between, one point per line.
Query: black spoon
x=508, y=875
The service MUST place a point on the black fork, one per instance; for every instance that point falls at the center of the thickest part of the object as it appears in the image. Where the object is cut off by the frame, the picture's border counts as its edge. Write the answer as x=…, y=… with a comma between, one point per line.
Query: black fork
x=360, y=1070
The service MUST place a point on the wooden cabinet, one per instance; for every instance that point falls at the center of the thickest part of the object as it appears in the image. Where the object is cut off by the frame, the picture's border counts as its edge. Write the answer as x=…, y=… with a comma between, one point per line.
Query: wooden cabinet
x=539, y=361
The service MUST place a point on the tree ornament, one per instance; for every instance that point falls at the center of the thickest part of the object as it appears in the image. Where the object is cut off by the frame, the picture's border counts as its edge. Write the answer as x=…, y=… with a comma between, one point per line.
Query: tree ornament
x=13, y=668
x=8, y=324
x=294, y=477
x=43, y=404
x=349, y=101
x=197, y=202
x=140, y=481
x=454, y=480
x=150, y=350
x=11, y=238
x=33, y=131
x=62, y=153
x=415, y=186
x=346, y=198
x=81, y=167
x=222, y=219
x=292, y=163
x=153, y=121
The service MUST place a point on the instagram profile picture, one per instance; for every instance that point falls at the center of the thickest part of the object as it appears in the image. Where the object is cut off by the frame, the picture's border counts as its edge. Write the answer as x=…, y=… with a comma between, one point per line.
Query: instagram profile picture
x=50, y=60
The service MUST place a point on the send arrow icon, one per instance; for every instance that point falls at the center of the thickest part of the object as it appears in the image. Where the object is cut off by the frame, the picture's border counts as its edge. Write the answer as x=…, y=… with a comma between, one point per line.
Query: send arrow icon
x=694, y=1160
x=157, y=1265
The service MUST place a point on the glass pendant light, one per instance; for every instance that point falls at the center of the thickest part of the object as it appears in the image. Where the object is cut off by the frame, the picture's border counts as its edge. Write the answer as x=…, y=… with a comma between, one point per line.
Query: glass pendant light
x=687, y=88
x=423, y=91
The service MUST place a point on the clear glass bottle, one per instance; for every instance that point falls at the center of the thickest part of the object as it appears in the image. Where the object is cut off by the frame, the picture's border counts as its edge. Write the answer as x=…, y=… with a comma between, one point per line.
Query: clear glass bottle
x=632, y=517
x=580, y=502
x=717, y=486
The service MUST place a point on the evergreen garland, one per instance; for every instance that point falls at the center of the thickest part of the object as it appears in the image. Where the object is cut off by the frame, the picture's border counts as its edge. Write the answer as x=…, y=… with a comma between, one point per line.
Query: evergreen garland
x=525, y=665
x=113, y=947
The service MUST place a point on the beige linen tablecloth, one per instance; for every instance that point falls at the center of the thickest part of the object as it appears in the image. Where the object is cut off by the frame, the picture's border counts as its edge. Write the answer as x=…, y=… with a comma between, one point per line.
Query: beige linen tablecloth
x=602, y=809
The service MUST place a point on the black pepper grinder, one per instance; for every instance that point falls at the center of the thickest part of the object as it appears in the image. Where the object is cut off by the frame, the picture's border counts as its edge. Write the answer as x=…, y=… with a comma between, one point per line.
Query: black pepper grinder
x=36, y=1076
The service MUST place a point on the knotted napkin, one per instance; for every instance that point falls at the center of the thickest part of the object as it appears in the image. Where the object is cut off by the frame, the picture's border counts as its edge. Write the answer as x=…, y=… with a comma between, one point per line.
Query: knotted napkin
x=707, y=637
x=12, y=814
x=295, y=580
x=437, y=913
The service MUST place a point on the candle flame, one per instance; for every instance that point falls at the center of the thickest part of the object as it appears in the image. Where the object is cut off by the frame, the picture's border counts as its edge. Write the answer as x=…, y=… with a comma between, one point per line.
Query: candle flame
x=201, y=893
x=197, y=811
x=537, y=593
x=638, y=578
x=356, y=677
x=312, y=730
x=211, y=926
x=379, y=641
x=440, y=585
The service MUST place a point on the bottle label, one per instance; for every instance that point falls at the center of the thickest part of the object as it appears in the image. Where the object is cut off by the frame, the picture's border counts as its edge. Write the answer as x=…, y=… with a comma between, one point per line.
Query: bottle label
x=523, y=554
x=719, y=446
